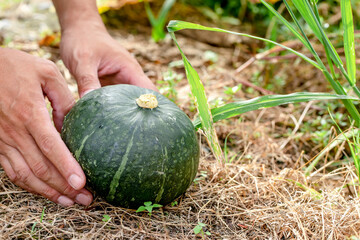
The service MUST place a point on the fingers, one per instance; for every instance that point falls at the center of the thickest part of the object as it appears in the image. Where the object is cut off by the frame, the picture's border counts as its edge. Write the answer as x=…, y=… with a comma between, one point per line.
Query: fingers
x=43, y=169
x=142, y=81
x=128, y=77
x=41, y=129
x=22, y=176
x=56, y=89
x=31, y=150
x=54, y=149
x=124, y=69
x=54, y=188
x=86, y=77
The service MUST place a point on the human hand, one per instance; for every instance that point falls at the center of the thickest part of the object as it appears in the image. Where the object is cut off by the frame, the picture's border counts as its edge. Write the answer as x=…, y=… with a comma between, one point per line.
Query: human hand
x=32, y=152
x=96, y=59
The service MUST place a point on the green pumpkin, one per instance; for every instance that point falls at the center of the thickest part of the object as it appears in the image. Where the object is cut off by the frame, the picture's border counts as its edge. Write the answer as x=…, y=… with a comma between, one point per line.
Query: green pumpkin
x=133, y=144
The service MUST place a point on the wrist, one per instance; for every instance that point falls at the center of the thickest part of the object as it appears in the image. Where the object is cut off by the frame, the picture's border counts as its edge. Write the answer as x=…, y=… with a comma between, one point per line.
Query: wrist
x=84, y=25
x=78, y=14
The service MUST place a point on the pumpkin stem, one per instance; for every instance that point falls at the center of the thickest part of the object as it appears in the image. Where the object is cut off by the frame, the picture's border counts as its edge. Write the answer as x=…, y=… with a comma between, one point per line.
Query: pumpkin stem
x=147, y=101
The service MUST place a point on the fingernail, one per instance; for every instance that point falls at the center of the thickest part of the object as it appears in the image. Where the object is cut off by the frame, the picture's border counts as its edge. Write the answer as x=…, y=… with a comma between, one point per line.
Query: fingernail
x=65, y=201
x=75, y=181
x=83, y=199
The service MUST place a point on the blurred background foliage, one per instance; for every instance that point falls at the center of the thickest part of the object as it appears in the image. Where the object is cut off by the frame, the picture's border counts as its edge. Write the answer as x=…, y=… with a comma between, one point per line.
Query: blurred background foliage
x=234, y=12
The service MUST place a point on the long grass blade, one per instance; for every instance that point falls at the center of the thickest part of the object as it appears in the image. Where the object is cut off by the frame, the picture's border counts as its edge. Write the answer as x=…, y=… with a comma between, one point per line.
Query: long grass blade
x=307, y=12
x=236, y=108
x=151, y=17
x=287, y=24
x=164, y=11
x=198, y=91
x=327, y=44
x=349, y=42
x=331, y=78
x=176, y=25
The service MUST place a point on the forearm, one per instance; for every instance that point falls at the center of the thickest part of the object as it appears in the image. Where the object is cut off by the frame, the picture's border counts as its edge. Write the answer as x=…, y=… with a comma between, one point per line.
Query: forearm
x=77, y=13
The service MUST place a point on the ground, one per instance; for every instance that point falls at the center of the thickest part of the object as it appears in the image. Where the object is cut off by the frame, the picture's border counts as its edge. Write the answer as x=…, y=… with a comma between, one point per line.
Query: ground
x=261, y=193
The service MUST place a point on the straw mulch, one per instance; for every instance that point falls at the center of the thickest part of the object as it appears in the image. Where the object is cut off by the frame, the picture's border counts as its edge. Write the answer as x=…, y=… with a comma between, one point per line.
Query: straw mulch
x=249, y=199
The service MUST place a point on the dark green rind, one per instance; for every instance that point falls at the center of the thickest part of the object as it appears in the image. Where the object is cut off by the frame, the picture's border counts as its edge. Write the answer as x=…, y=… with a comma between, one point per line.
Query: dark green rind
x=129, y=154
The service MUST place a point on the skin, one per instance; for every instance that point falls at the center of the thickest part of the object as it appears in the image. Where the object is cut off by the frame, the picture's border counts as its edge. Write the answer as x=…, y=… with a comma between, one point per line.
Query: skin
x=31, y=150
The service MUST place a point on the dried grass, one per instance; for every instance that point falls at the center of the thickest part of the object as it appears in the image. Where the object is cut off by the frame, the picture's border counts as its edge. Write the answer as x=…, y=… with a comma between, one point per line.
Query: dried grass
x=247, y=200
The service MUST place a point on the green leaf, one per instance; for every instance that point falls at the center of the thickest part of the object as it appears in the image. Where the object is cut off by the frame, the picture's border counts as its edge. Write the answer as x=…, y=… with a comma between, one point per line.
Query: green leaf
x=158, y=23
x=287, y=24
x=41, y=219
x=179, y=25
x=235, y=108
x=106, y=218
x=175, y=25
x=349, y=42
x=157, y=205
x=164, y=11
x=330, y=53
x=141, y=209
x=197, y=229
x=202, y=224
x=334, y=143
x=306, y=12
x=201, y=102
x=151, y=17
x=147, y=203
x=149, y=208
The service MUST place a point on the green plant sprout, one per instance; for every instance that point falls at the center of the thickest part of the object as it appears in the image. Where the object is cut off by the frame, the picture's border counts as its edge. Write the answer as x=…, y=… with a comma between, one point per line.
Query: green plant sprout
x=199, y=228
x=231, y=91
x=41, y=219
x=203, y=175
x=168, y=84
x=148, y=206
x=106, y=218
x=226, y=151
x=158, y=23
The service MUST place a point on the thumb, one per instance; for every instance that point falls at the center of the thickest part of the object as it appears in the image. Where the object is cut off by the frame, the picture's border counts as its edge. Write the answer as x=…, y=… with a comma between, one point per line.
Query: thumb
x=87, y=78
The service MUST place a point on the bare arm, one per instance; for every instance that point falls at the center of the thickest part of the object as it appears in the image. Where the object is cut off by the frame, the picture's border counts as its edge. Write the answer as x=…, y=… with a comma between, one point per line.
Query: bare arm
x=77, y=12
x=90, y=53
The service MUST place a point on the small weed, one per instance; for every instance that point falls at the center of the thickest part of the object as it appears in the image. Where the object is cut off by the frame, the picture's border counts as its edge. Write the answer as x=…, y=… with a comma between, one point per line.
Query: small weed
x=230, y=91
x=200, y=229
x=174, y=203
x=226, y=151
x=158, y=22
x=106, y=218
x=203, y=175
x=148, y=206
x=217, y=102
x=168, y=84
x=319, y=127
x=41, y=219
